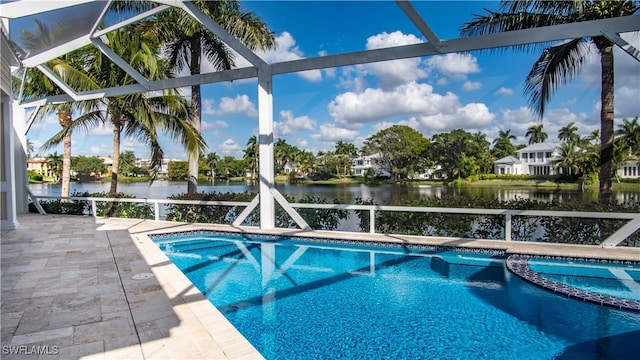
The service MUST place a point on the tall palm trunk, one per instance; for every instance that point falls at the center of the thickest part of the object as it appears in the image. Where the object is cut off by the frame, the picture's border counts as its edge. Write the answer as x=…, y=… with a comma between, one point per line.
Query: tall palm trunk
x=196, y=114
x=64, y=118
x=606, y=118
x=117, y=120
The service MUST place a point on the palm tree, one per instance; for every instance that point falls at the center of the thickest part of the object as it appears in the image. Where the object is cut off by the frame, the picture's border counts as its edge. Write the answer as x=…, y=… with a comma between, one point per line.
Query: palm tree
x=502, y=144
x=562, y=62
x=536, y=134
x=37, y=85
x=569, y=133
x=345, y=148
x=251, y=155
x=54, y=162
x=188, y=42
x=212, y=160
x=140, y=115
x=30, y=148
x=629, y=134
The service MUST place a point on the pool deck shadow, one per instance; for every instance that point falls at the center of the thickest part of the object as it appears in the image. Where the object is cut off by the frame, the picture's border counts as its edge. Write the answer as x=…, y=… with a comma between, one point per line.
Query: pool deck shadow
x=70, y=291
x=78, y=287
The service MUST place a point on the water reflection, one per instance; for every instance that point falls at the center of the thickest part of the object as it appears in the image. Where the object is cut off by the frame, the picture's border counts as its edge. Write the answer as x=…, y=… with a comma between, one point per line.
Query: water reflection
x=384, y=194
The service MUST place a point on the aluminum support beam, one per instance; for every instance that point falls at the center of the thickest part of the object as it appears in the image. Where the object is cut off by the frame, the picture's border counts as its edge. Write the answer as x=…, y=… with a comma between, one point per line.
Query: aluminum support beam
x=419, y=22
x=474, y=43
x=624, y=45
x=18, y=9
x=121, y=63
x=265, y=148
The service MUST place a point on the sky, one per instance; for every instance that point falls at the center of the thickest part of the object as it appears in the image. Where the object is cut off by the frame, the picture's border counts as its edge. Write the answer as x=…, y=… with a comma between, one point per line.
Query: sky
x=477, y=92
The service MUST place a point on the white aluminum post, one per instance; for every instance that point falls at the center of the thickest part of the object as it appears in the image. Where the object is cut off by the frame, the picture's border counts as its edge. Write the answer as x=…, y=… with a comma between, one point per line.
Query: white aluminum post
x=507, y=226
x=265, y=141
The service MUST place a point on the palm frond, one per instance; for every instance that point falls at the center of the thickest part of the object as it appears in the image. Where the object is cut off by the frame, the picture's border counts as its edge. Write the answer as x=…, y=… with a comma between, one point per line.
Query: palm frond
x=554, y=68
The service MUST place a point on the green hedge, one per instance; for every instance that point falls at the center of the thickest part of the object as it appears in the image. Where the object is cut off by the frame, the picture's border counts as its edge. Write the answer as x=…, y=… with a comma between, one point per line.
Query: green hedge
x=524, y=228
x=106, y=209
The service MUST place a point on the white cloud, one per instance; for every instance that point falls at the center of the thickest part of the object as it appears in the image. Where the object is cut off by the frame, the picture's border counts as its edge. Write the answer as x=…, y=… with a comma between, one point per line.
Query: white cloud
x=503, y=91
x=241, y=104
x=470, y=86
x=519, y=120
x=102, y=129
x=625, y=66
x=206, y=125
x=330, y=133
x=393, y=73
x=377, y=104
x=230, y=147
x=470, y=116
x=207, y=107
x=454, y=65
x=289, y=124
x=569, y=102
x=238, y=105
x=626, y=101
x=287, y=50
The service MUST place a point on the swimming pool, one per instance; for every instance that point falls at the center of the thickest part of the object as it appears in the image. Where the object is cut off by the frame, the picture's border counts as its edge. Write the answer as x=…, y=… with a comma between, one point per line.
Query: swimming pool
x=298, y=299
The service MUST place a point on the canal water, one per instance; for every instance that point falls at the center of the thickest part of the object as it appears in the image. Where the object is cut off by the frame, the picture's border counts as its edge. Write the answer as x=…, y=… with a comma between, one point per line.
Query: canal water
x=384, y=194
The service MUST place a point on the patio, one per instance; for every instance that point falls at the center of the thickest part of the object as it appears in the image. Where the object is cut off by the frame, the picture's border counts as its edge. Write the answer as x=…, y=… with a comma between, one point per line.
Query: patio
x=68, y=292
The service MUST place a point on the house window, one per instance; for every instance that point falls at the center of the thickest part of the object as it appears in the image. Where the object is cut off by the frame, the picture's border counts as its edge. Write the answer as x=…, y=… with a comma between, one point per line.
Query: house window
x=501, y=170
x=547, y=155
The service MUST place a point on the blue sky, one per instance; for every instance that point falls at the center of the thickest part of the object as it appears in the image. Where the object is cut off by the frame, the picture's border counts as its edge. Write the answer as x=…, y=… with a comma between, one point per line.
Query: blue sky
x=314, y=110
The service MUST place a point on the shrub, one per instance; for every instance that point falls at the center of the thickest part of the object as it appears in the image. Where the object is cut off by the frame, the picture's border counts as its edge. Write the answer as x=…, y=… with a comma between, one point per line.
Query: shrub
x=554, y=229
x=121, y=209
x=62, y=207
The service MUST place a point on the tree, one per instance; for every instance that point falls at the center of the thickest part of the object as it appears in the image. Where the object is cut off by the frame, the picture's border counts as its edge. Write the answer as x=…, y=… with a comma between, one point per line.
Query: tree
x=127, y=163
x=628, y=134
x=569, y=133
x=251, y=154
x=502, y=145
x=87, y=166
x=139, y=115
x=402, y=150
x=460, y=154
x=178, y=170
x=212, y=160
x=536, y=134
x=188, y=42
x=345, y=148
x=29, y=148
x=561, y=62
x=54, y=161
x=37, y=85
x=283, y=153
x=229, y=167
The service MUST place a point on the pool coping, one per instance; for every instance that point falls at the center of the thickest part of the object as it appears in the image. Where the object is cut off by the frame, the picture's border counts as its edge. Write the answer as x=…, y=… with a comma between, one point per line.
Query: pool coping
x=519, y=265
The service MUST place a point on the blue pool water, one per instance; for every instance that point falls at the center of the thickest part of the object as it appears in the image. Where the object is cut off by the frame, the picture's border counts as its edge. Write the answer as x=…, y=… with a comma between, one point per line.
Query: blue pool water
x=307, y=300
x=618, y=280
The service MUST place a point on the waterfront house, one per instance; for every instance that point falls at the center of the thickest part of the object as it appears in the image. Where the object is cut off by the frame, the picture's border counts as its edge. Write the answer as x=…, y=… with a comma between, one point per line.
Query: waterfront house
x=535, y=159
x=40, y=166
x=369, y=165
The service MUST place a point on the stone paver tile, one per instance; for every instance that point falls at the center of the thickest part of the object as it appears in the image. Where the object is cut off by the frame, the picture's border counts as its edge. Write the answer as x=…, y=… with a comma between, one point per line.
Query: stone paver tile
x=59, y=337
x=102, y=330
x=95, y=348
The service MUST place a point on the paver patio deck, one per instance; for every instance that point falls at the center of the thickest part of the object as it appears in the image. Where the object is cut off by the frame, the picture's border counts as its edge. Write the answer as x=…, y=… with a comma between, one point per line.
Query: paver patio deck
x=69, y=290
